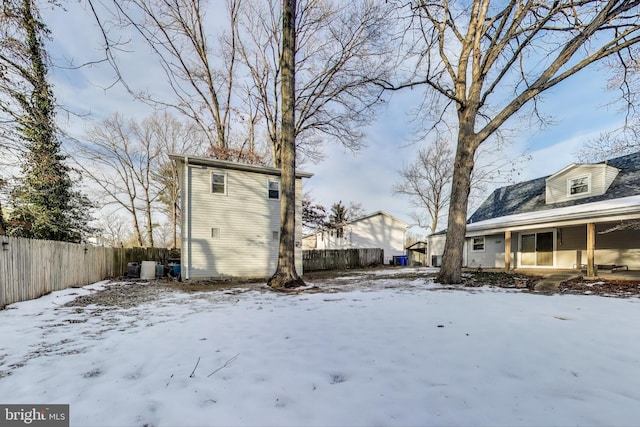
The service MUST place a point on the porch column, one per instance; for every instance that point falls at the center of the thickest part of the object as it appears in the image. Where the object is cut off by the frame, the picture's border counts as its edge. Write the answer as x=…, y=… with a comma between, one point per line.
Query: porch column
x=591, y=245
x=507, y=251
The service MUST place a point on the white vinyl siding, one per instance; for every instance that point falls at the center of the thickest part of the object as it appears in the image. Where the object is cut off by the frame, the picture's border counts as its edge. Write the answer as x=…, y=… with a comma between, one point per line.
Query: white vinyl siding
x=246, y=221
x=378, y=231
x=375, y=231
x=435, y=248
x=491, y=255
x=569, y=184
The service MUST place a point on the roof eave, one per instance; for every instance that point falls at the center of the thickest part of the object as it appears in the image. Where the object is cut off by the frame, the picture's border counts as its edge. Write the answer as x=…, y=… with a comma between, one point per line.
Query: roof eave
x=629, y=208
x=224, y=164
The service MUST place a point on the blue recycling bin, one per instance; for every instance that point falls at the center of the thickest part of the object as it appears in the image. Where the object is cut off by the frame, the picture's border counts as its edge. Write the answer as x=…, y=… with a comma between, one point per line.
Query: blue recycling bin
x=400, y=260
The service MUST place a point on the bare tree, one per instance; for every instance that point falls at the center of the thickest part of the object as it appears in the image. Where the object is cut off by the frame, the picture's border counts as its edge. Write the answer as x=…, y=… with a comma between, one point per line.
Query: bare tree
x=616, y=142
x=314, y=215
x=171, y=135
x=232, y=90
x=427, y=182
x=285, y=275
x=355, y=211
x=485, y=61
x=342, y=54
x=119, y=157
x=114, y=230
x=200, y=76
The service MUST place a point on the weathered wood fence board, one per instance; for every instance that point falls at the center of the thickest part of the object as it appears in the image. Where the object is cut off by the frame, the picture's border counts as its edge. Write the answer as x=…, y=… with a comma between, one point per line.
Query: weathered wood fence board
x=31, y=268
x=330, y=259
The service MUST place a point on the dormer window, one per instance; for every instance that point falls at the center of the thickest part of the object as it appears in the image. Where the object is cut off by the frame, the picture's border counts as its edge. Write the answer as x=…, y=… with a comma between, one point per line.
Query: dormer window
x=579, y=186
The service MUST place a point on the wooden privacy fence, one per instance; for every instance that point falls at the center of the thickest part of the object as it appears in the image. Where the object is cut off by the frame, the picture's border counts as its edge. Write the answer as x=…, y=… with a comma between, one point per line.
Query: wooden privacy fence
x=31, y=268
x=330, y=259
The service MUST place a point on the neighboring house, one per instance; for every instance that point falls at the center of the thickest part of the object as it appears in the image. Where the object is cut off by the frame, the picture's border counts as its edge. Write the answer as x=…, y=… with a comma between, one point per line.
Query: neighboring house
x=580, y=217
x=376, y=230
x=231, y=218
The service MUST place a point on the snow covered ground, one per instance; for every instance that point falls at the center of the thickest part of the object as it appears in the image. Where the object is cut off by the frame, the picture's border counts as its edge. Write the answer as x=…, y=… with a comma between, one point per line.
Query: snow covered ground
x=400, y=351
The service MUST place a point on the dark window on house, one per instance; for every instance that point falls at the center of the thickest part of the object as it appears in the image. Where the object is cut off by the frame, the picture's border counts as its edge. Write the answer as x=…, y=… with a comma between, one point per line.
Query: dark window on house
x=218, y=183
x=340, y=233
x=579, y=185
x=275, y=236
x=274, y=189
x=478, y=244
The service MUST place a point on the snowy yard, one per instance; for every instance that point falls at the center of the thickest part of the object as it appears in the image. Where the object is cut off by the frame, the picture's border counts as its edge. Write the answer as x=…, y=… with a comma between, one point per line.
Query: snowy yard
x=390, y=351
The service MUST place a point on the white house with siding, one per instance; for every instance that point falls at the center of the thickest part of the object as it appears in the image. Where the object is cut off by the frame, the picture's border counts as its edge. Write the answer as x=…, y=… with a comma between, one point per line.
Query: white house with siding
x=231, y=218
x=585, y=216
x=376, y=230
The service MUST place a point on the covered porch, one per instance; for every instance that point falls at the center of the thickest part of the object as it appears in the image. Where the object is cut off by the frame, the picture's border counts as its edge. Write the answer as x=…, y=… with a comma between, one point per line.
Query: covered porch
x=595, y=248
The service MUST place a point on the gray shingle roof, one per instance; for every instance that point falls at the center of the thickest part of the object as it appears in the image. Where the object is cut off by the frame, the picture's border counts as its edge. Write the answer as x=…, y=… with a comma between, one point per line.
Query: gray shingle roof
x=529, y=196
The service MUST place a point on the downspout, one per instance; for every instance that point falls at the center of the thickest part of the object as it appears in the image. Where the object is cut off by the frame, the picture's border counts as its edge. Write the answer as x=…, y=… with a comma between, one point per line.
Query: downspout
x=187, y=217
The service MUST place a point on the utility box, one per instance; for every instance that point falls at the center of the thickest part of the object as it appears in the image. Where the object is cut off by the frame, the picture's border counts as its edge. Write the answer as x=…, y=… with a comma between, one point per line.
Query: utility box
x=133, y=270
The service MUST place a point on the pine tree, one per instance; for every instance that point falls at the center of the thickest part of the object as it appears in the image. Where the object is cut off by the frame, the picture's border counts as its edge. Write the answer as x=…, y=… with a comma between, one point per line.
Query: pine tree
x=338, y=218
x=45, y=205
x=339, y=214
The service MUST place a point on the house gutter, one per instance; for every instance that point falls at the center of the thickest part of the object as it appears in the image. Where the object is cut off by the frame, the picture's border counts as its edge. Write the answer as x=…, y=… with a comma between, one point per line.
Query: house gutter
x=596, y=213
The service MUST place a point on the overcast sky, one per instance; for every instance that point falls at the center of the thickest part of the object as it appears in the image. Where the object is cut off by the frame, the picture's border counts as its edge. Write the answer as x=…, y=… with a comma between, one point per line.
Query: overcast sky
x=578, y=107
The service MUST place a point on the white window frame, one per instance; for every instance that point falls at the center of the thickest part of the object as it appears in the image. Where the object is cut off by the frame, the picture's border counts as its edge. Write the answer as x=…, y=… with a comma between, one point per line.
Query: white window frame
x=473, y=244
x=570, y=185
x=225, y=183
x=276, y=181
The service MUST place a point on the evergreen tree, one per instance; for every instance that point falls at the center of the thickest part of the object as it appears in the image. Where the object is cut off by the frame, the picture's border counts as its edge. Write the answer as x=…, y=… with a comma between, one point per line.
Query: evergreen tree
x=339, y=215
x=45, y=205
x=338, y=218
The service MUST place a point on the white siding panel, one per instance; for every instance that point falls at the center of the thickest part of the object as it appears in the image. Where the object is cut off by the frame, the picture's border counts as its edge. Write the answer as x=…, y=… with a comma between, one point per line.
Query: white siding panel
x=246, y=219
x=435, y=247
x=376, y=231
x=601, y=176
x=610, y=174
x=491, y=257
x=572, y=246
x=379, y=231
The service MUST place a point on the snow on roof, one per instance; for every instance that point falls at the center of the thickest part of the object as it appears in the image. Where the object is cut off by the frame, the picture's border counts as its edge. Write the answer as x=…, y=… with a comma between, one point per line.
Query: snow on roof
x=603, y=210
x=529, y=196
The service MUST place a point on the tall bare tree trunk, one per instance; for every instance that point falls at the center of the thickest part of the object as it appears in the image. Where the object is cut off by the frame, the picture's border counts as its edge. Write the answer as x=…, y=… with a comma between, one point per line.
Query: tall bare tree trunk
x=149, y=223
x=286, y=275
x=453, y=257
x=136, y=224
